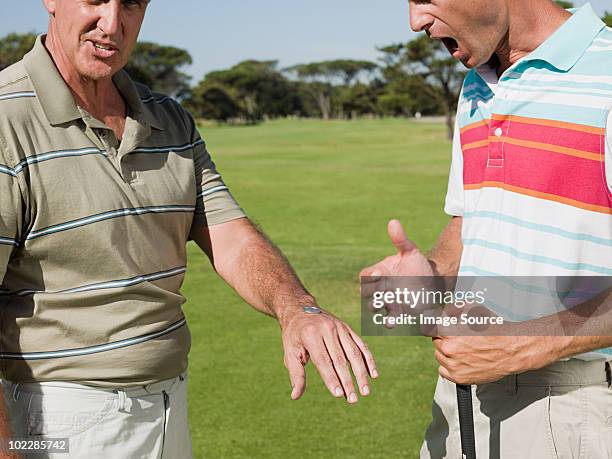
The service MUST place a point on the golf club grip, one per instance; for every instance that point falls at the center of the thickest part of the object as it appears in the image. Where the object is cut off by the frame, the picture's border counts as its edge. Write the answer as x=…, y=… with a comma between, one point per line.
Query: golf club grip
x=466, y=421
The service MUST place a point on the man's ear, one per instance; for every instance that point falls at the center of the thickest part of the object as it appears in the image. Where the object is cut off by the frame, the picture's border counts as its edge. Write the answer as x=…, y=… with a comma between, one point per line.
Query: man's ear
x=50, y=6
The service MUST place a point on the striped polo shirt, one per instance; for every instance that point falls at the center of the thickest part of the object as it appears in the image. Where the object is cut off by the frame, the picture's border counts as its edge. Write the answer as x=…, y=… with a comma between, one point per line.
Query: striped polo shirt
x=531, y=173
x=93, y=231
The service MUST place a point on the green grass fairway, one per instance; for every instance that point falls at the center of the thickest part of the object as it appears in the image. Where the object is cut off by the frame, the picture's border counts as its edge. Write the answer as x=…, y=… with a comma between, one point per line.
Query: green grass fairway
x=323, y=191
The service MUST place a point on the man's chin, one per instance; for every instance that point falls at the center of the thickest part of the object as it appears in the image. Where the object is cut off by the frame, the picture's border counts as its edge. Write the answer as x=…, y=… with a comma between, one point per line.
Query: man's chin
x=97, y=71
x=471, y=61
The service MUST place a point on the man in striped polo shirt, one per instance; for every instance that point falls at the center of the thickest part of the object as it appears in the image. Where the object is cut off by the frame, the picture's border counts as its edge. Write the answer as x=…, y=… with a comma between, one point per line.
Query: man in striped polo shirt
x=102, y=183
x=530, y=194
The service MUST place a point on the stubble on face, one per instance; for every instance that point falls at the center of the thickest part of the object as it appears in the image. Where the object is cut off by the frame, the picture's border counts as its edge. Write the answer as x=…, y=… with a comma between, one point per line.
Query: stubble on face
x=93, y=40
x=471, y=30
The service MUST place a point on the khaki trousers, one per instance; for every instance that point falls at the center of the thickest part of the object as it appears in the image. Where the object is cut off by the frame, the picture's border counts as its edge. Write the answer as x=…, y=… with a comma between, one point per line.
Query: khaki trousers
x=559, y=412
x=143, y=422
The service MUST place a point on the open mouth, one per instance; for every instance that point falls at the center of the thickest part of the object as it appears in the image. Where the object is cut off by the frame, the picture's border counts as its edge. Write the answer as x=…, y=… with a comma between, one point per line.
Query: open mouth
x=450, y=44
x=102, y=49
x=99, y=46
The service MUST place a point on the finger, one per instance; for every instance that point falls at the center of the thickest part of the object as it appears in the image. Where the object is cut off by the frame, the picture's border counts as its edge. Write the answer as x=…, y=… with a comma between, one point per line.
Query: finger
x=297, y=375
x=370, y=274
x=367, y=355
x=437, y=344
x=399, y=238
x=356, y=359
x=323, y=362
x=445, y=374
x=341, y=367
x=442, y=359
x=445, y=363
x=369, y=288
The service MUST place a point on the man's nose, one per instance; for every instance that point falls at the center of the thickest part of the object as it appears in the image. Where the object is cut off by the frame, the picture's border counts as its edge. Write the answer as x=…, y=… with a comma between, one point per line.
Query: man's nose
x=110, y=17
x=419, y=19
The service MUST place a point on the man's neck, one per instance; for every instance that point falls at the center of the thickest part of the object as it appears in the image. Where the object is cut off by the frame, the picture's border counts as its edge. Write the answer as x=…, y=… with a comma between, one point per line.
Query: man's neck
x=101, y=97
x=532, y=22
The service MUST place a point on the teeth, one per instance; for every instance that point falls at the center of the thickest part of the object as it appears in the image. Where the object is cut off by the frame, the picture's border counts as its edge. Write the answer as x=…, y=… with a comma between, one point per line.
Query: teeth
x=101, y=47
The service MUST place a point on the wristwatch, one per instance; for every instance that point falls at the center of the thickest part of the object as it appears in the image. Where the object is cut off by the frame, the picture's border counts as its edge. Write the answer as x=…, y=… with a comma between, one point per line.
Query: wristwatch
x=312, y=310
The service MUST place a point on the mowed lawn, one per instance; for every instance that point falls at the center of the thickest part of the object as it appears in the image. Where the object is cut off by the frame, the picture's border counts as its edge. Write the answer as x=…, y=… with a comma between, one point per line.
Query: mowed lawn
x=323, y=191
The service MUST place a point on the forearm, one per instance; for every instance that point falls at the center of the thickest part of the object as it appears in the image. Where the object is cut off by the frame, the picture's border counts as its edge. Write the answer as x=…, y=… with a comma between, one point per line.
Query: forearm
x=580, y=344
x=259, y=273
x=583, y=328
x=445, y=257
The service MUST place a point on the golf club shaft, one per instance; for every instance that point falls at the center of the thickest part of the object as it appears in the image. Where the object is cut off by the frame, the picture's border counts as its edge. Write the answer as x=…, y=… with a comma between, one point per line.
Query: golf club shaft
x=466, y=421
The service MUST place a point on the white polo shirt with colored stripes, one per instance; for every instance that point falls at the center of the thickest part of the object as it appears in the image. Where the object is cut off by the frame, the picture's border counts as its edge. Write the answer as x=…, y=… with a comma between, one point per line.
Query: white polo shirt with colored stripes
x=532, y=171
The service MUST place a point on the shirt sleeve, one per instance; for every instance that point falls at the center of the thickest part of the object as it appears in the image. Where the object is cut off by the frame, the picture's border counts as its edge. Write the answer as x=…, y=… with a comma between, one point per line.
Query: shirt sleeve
x=454, y=195
x=214, y=201
x=11, y=210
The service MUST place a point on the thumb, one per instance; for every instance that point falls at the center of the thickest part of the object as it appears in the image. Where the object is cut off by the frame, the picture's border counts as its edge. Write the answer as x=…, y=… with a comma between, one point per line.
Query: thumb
x=399, y=238
x=297, y=375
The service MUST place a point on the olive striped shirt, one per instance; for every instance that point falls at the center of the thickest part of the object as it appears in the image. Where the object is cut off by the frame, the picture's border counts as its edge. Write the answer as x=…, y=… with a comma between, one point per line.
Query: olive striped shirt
x=93, y=231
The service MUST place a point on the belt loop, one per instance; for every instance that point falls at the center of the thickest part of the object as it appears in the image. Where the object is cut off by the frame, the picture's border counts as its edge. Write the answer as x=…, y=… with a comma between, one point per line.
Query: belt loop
x=608, y=375
x=124, y=403
x=15, y=394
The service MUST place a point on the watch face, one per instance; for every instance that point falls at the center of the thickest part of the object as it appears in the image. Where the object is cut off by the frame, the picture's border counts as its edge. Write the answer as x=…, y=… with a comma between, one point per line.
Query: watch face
x=312, y=310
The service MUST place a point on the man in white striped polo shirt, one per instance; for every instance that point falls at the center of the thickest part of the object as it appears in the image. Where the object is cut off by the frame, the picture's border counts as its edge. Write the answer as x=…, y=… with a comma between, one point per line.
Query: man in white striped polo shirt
x=530, y=193
x=102, y=183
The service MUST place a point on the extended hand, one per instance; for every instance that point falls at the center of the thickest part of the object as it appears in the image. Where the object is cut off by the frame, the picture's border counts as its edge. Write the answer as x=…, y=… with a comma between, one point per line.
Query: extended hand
x=332, y=346
x=408, y=261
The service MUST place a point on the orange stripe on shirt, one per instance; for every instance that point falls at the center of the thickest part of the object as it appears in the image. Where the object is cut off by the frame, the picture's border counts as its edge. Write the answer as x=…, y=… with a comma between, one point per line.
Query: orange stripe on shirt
x=547, y=147
x=471, y=146
x=551, y=123
x=477, y=124
x=540, y=195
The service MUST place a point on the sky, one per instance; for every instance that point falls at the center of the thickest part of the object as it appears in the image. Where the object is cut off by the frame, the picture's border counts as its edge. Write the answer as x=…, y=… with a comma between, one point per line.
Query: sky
x=221, y=33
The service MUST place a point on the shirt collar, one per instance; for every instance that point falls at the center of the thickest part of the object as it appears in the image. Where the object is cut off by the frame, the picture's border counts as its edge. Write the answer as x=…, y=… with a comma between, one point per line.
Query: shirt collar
x=569, y=42
x=53, y=94
x=138, y=109
x=58, y=102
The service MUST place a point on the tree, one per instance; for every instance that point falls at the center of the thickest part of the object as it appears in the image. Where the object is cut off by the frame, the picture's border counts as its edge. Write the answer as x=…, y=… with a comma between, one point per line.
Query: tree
x=158, y=67
x=422, y=69
x=564, y=4
x=407, y=95
x=429, y=59
x=312, y=75
x=14, y=46
x=359, y=99
x=321, y=79
x=256, y=89
x=404, y=93
x=213, y=103
x=608, y=18
x=348, y=69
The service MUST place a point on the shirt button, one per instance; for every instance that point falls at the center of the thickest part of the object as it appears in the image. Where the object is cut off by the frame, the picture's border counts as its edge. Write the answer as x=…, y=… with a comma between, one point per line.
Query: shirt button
x=498, y=132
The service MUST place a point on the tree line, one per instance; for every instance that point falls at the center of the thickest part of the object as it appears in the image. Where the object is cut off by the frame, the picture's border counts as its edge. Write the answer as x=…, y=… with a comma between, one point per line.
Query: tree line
x=414, y=78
